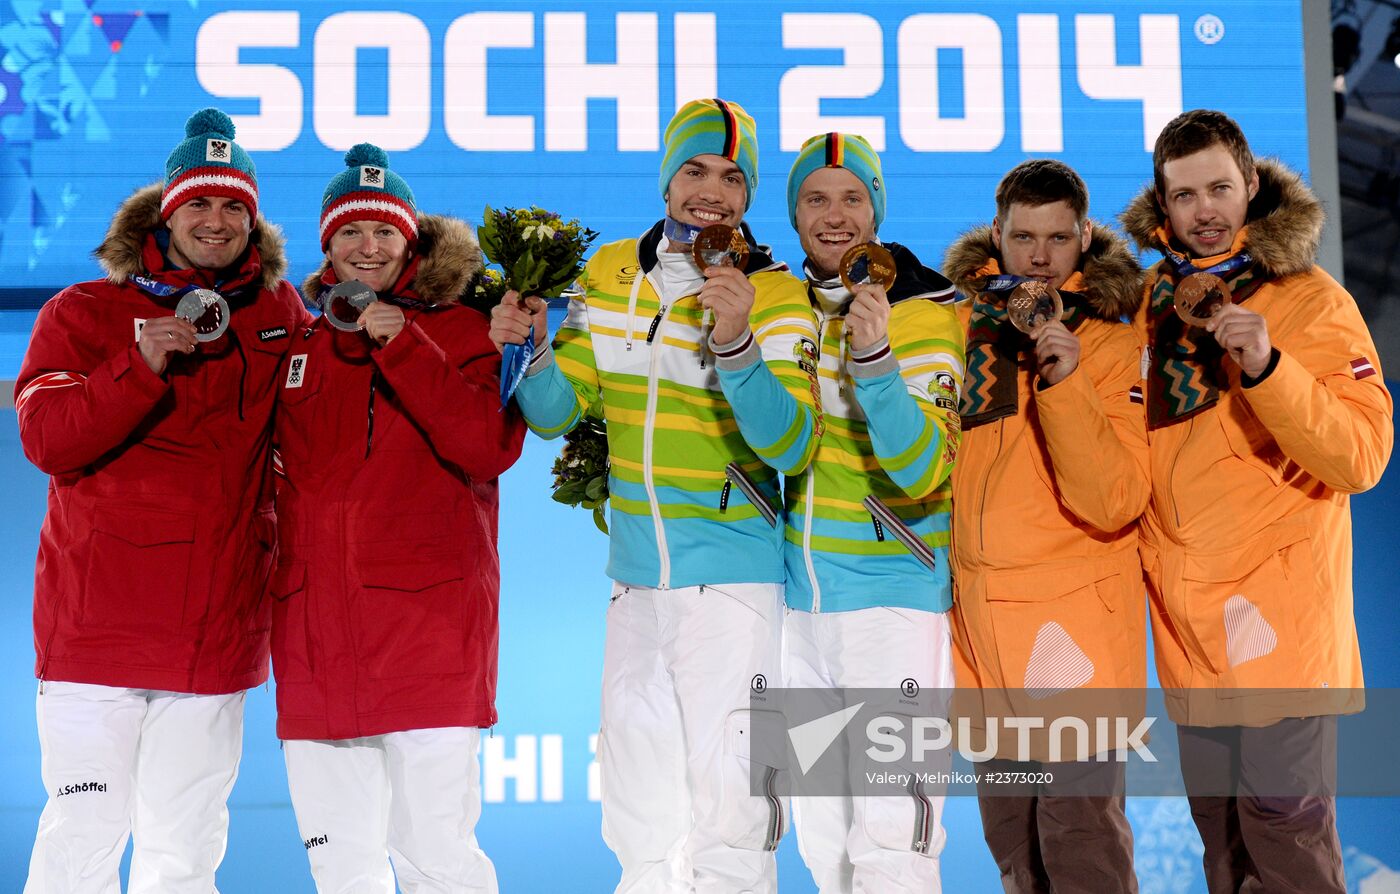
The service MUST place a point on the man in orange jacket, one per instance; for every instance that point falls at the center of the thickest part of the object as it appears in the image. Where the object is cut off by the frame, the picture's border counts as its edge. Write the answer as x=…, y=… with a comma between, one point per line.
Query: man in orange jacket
x=1046, y=495
x=1261, y=423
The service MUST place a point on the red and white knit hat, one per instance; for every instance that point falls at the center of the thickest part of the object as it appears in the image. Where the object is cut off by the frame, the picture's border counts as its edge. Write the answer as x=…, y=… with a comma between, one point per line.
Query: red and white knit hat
x=368, y=190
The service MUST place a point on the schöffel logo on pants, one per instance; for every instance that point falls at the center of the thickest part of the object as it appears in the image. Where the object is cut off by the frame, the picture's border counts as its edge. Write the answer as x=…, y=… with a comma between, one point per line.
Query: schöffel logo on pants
x=319, y=839
x=80, y=787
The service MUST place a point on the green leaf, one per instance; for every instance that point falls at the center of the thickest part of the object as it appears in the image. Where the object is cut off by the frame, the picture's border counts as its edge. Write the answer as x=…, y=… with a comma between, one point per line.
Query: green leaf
x=600, y=519
x=570, y=493
x=597, y=488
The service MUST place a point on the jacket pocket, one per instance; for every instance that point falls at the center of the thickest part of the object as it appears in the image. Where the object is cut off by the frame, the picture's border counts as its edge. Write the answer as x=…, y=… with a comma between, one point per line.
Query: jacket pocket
x=1251, y=609
x=138, y=569
x=412, y=617
x=1059, y=630
x=291, y=642
x=1249, y=441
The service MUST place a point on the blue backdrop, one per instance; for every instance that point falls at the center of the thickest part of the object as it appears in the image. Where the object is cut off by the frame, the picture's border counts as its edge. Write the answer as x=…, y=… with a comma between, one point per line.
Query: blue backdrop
x=562, y=105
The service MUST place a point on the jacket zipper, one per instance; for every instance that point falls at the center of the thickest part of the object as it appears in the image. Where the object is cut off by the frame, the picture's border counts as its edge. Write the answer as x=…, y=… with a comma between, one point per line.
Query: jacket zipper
x=648, y=443
x=369, y=429
x=1171, y=474
x=775, y=807
x=923, y=826
x=812, y=487
x=986, y=486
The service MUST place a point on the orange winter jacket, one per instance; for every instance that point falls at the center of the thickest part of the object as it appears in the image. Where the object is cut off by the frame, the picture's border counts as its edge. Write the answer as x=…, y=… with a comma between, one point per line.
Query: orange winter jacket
x=1048, y=586
x=1247, y=540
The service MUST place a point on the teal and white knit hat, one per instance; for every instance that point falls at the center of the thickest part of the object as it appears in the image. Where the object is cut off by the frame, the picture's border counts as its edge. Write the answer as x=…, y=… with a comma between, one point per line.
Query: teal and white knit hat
x=711, y=127
x=368, y=190
x=838, y=150
x=209, y=163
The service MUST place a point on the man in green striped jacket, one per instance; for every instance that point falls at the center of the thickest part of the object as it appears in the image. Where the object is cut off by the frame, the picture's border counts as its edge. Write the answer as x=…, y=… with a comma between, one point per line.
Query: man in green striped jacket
x=868, y=584
x=697, y=369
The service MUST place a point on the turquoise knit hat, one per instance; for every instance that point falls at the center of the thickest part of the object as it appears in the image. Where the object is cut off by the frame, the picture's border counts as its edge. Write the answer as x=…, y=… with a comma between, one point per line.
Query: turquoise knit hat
x=368, y=190
x=711, y=127
x=838, y=150
x=209, y=163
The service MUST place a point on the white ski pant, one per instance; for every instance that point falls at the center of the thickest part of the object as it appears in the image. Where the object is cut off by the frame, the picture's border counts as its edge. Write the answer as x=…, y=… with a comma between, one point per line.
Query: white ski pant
x=866, y=844
x=678, y=669
x=152, y=765
x=412, y=796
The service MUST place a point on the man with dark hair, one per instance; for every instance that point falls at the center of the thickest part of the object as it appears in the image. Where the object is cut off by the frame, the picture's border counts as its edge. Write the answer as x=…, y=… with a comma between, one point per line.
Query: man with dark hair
x=1052, y=478
x=149, y=617
x=1040, y=182
x=698, y=368
x=1261, y=423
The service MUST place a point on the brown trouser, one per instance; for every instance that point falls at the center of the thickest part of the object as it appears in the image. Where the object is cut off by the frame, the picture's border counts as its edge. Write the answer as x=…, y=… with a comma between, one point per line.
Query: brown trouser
x=1279, y=833
x=1067, y=837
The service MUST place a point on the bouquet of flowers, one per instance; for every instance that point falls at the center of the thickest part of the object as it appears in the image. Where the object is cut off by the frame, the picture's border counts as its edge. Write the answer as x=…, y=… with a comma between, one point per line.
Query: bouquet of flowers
x=581, y=471
x=539, y=252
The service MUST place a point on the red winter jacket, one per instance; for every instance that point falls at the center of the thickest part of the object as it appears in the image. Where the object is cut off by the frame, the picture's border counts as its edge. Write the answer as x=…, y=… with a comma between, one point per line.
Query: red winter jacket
x=385, y=594
x=155, y=552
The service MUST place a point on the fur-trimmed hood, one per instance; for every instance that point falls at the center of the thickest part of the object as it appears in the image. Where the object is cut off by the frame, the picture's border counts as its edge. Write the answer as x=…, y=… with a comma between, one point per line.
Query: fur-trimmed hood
x=1284, y=221
x=139, y=216
x=1112, y=276
x=448, y=260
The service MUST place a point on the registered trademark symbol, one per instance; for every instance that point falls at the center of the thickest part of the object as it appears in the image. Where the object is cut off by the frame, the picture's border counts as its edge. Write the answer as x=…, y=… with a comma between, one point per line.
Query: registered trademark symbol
x=909, y=687
x=1209, y=29
x=759, y=684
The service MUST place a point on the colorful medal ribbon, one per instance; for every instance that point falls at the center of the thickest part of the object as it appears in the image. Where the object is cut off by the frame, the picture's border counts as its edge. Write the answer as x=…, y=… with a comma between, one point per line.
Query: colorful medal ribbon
x=1185, y=375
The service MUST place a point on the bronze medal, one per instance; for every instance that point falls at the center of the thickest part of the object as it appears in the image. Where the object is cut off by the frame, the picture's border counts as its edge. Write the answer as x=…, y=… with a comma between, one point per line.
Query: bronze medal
x=867, y=262
x=1032, y=305
x=344, y=304
x=207, y=310
x=720, y=245
x=1199, y=297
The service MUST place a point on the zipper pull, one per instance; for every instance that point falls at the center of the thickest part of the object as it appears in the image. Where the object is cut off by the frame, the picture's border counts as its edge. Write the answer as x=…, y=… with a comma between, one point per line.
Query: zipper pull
x=705, y=343
x=656, y=323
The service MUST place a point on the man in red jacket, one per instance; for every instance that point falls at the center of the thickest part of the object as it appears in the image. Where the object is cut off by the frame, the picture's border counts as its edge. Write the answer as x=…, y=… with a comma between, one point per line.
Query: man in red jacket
x=149, y=621
x=384, y=624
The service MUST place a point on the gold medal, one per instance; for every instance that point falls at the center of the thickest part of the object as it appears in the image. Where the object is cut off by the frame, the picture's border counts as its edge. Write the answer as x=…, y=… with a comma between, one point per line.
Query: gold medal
x=1032, y=305
x=867, y=262
x=720, y=245
x=1199, y=297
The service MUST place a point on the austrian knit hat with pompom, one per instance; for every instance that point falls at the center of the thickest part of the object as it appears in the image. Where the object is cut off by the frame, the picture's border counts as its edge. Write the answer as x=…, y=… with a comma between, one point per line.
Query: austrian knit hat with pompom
x=368, y=190
x=209, y=163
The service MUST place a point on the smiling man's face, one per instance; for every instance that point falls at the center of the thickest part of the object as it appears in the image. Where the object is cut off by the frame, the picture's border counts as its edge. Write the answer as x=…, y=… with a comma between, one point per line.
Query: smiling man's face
x=209, y=232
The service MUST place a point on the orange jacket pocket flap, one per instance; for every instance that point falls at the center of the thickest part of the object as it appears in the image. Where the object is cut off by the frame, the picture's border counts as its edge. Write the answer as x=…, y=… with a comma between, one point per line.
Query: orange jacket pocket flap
x=1041, y=585
x=1237, y=563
